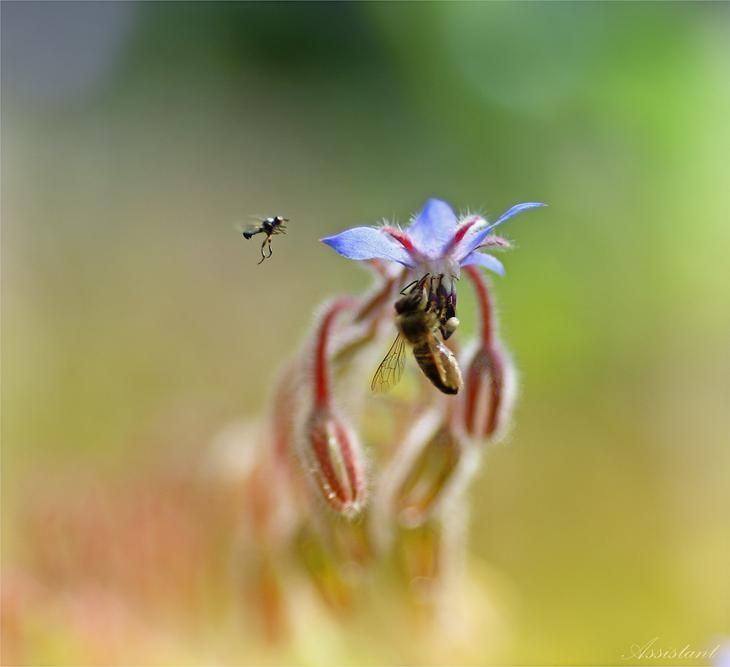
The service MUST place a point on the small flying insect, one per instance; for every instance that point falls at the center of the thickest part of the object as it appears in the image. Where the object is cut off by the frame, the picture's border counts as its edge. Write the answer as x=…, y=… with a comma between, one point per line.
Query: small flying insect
x=269, y=226
x=417, y=326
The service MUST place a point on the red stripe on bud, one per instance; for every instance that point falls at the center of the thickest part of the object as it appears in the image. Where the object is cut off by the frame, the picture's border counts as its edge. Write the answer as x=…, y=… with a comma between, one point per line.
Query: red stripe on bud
x=334, y=458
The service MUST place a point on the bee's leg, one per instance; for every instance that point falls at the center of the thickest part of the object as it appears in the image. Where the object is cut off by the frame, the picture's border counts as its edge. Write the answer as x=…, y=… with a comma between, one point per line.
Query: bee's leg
x=409, y=285
x=263, y=257
x=415, y=282
x=271, y=252
x=434, y=291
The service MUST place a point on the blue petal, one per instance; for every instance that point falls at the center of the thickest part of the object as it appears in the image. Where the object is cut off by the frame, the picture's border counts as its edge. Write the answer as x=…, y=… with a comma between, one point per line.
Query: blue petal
x=473, y=242
x=487, y=261
x=433, y=228
x=368, y=243
x=517, y=208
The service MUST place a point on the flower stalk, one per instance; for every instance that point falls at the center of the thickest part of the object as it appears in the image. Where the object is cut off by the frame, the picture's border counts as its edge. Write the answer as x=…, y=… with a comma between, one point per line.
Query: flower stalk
x=488, y=385
x=321, y=373
x=332, y=451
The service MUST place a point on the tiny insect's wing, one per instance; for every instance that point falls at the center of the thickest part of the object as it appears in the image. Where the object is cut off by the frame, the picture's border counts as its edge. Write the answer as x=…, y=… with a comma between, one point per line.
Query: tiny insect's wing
x=242, y=226
x=246, y=230
x=391, y=368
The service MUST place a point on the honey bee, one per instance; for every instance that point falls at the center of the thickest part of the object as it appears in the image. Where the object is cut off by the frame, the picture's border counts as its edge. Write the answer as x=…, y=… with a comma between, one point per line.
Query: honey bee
x=417, y=325
x=269, y=226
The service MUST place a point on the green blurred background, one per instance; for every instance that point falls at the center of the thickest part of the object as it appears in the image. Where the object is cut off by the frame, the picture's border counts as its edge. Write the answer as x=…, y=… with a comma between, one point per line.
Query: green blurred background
x=136, y=321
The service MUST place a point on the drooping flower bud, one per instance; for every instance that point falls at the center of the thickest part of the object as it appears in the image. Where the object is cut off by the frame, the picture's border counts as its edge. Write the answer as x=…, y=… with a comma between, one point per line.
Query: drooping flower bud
x=428, y=477
x=331, y=451
x=333, y=458
x=432, y=462
x=487, y=397
x=489, y=381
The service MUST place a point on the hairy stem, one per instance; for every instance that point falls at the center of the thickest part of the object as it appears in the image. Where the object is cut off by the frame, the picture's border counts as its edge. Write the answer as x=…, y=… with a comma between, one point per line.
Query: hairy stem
x=321, y=376
x=485, y=304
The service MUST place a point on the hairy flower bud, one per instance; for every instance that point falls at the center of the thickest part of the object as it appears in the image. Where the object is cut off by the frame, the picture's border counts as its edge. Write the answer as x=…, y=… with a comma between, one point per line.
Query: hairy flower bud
x=429, y=475
x=332, y=454
x=331, y=451
x=431, y=463
x=489, y=384
x=488, y=393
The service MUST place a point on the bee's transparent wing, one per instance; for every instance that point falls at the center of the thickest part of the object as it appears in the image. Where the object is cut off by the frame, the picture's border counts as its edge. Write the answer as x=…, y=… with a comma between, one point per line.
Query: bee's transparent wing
x=391, y=368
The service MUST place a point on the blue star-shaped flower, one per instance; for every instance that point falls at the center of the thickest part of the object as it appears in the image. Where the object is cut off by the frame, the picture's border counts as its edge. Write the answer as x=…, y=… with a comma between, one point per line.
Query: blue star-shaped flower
x=435, y=242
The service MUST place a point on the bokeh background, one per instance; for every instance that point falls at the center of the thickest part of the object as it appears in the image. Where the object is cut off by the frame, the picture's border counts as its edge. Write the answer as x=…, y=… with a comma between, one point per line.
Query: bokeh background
x=136, y=323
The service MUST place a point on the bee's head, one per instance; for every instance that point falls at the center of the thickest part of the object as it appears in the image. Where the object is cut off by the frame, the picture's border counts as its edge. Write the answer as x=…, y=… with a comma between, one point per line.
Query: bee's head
x=415, y=299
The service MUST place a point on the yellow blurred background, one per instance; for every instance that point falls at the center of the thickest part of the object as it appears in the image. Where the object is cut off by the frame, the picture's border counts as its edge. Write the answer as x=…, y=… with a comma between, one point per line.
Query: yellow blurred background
x=136, y=322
